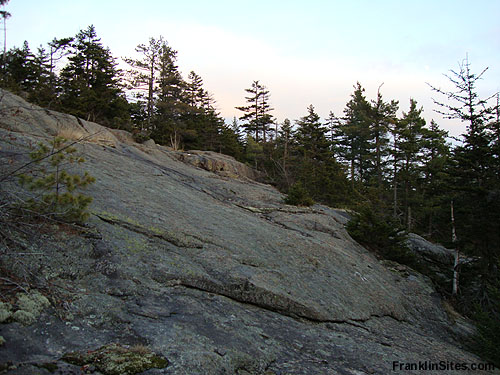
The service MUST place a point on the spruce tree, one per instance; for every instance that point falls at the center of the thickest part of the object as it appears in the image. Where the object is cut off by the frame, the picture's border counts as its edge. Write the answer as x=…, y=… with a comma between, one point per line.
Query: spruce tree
x=19, y=73
x=474, y=178
x=355, y=135
x=409, y=132
x=257, y=114
x=314, y=165
x=382, y=116
x=334, y=125
x=91, y=86
x=435, y=200
x=168, y=125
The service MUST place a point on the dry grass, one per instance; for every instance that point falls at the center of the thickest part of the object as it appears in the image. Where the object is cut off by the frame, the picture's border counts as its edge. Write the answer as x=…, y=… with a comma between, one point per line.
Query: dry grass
x=453, y=315
x=71, y=134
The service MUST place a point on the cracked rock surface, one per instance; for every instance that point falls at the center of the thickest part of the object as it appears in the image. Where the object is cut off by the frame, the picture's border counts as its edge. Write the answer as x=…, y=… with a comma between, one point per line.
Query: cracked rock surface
x=212, y=272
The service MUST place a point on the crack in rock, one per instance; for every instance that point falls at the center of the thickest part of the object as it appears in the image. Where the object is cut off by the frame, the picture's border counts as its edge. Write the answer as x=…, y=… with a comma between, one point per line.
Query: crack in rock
x=175, y=239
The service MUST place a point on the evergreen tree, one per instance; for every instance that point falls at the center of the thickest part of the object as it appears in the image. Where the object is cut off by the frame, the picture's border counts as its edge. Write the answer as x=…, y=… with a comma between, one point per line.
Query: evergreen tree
x=169, y=127
x=284, y=144
x=355, y=135
x=475, y=184
x=229, y=142
x=257, y=114
x=435, y=202
x=144, y=77
x=494, y=128
x=57, y=50
x=195, y=94
x=253, y=151
x=55, y=187
x=315, y=168
x=43, y=88
x=235, y=127
x=381, y=116
x=409, y=132
x=91, y=82
x=334, y=125
x=18, y=74
x=311, y=138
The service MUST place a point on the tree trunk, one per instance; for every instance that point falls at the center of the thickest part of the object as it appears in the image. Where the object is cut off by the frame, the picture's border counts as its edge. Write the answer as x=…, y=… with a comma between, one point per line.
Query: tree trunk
x=395, y=192
x=457, y=255
x=409, y=219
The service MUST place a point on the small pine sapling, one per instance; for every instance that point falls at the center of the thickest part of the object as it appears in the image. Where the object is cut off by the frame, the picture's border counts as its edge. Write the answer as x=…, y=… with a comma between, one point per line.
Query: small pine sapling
x=298, y=196
x=56, y=187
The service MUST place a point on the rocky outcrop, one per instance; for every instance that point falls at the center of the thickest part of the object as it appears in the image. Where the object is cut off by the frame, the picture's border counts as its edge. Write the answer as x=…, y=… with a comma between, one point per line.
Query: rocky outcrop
x=218, y=163
x=429, y=252
x=19, y=116
x=214, y=275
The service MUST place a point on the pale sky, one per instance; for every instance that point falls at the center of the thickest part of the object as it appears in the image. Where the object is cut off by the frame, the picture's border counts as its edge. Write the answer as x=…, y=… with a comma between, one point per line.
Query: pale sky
x=305, y=52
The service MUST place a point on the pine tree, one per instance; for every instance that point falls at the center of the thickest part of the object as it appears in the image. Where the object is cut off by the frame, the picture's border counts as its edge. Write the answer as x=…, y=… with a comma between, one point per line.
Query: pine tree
x=171, y=105
x=18, y=74
x=355, y=135
x=475, y=182
x=311, y=138
x=195, y=94
x=55, y=189
x=284, y=143
x=57, y=50
x=314, y=166
x=257, y=113
x=409, y=132
x=382, y=115
x=144, y=76
x=91, y=82
x=435, y=201
x=334, y=125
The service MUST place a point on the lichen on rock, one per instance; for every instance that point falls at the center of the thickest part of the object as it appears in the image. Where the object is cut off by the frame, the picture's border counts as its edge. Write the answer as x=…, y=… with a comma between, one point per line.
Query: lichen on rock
x=34, y=302
x=24, y=317
x=114, y=359
x=26, y=310
x=5, y=311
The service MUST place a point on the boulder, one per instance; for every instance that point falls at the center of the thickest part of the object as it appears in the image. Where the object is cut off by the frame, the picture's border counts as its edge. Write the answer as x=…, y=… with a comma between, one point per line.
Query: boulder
x=430, y=252
x=221, y=164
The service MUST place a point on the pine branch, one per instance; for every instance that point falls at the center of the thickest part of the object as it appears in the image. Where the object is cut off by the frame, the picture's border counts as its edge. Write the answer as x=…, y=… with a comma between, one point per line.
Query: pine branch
x=35, y=161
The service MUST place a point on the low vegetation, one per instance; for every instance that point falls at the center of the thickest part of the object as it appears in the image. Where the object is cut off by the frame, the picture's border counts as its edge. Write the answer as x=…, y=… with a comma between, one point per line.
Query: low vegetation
x=54, y=187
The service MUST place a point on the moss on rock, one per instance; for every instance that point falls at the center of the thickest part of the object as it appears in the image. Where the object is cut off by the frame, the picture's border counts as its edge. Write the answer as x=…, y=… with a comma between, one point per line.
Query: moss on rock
x=114, y=359
x=29, y=308
x=24, y=317
x=49, y=366
x=5, y=311
x=34, y=302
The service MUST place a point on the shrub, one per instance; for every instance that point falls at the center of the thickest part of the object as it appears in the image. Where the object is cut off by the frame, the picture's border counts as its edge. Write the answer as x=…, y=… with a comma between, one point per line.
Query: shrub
x=298, y=196
x=487, y=320
x=381, y=235
x=140, y=136
x=56, y=187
